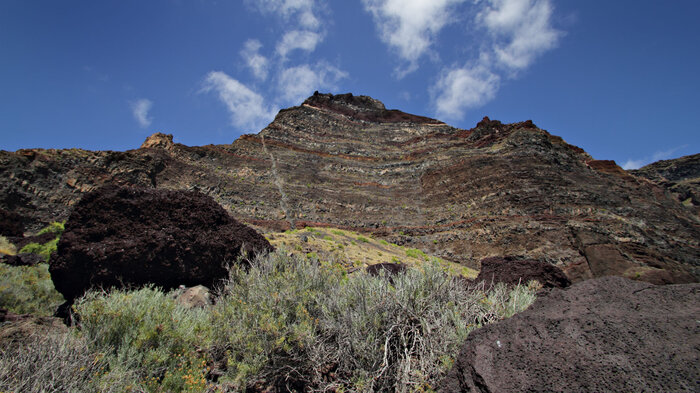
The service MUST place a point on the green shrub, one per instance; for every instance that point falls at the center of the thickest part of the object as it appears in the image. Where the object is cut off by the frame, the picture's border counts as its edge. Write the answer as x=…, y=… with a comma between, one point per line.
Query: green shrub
x=44, y=250
x=55, y=227
x=362, y=239
x=416, y=253
x=28, y=290
x=290, y=322
x=147, y=332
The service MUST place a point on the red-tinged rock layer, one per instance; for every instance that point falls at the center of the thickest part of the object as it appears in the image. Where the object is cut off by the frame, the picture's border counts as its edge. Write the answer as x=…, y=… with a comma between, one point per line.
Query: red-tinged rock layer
x=346, y=161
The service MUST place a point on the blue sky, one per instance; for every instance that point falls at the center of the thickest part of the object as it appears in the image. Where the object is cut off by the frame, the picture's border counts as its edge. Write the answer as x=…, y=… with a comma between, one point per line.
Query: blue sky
x=617, y=78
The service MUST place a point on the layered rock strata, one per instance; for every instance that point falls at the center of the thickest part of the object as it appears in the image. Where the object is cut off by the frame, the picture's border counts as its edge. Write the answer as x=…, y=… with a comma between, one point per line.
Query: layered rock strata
x=346, y=161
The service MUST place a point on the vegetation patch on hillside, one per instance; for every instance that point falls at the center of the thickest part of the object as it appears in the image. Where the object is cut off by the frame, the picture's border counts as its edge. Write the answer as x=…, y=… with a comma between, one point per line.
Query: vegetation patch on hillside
x=354, y=250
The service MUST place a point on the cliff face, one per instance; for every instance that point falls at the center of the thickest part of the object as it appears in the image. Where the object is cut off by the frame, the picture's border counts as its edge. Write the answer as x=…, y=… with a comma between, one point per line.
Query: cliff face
x=681, y=177
x=346, y=161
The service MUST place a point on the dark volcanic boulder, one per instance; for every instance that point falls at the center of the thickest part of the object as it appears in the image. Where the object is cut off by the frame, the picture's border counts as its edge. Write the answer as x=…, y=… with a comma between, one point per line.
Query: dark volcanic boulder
x=122, y=236
x=513, y=271
x=11, y=224
x=602, y=335
x=24, y=259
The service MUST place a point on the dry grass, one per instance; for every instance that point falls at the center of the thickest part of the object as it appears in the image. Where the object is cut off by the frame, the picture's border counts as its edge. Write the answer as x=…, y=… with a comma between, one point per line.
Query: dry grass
x=6, y=247
x=49, y=363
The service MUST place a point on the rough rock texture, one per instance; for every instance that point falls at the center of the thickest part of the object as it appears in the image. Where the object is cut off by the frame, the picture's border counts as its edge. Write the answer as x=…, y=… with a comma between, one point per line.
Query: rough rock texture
x=603, y=335
x=10, y=224
x=680, y=176
x=514, y=271
x=195, y=297
x=24, y=259
x=348, y=162
x=391, y=269
x=121, y=236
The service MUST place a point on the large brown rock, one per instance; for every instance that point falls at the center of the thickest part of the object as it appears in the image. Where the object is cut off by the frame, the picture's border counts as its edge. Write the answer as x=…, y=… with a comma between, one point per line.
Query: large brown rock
x=603, y=335
x=125, y=236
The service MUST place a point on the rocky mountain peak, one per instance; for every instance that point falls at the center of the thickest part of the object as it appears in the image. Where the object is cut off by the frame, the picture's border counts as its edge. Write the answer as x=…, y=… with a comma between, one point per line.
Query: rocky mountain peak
x=160, y=141
x=363, y=108
x=359, y=103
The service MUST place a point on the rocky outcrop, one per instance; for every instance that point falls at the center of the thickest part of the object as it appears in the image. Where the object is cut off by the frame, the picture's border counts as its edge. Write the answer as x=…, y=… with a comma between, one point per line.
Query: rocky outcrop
x=390, y=269
x=681, y=177
x=159, y=141
x=518, y=271
x=126, y=236
x=23, y=259
x=603, y=335
x=346, y=161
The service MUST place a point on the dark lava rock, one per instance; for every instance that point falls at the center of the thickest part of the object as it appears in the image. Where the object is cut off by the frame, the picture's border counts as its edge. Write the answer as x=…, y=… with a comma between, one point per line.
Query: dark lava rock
x=123, y=236
x=20, y=242
x=364, y=108
x=10, y=224
x=602, y=335
x=391, y=269
x=24, y=259
x=513, y=271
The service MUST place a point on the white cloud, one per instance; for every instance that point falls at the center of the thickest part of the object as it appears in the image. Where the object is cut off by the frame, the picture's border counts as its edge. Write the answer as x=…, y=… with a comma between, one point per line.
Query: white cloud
x=247, y=108
x=257, y=63
x=634, y=164
x=410, y=26
x=517, y=32
x=658, y=155
x=297, y=83
x=460, y=89
x=140, y=109
x=521, y=30
x=296, y=39
x=303, y=10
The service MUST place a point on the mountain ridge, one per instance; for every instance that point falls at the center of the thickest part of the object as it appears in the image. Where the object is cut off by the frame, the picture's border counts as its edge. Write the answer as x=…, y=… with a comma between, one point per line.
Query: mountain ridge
x=346, y=161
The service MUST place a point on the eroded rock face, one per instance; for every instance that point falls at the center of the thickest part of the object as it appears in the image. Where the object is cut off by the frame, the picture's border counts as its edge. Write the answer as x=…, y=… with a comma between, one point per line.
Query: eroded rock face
x=159, y=141
x=347, y=161
x=126, y=236
x=514, y=271
x=680, y=176
x=602, y=335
